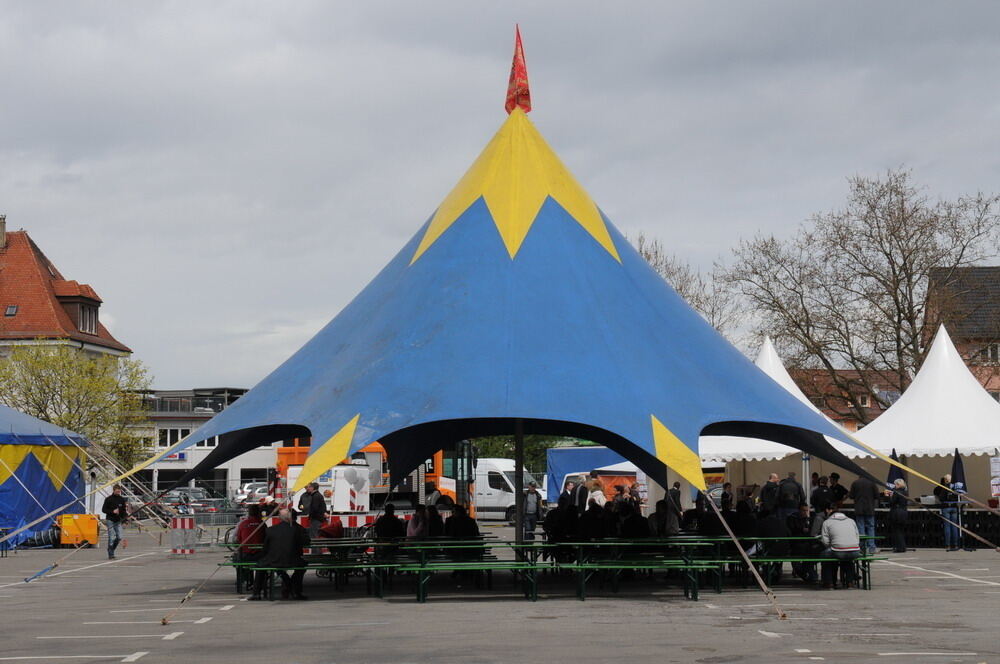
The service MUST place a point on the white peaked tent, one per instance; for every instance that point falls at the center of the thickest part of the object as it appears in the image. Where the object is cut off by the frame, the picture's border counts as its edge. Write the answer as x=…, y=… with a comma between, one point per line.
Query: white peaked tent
x=723, y=449
x=943, y=408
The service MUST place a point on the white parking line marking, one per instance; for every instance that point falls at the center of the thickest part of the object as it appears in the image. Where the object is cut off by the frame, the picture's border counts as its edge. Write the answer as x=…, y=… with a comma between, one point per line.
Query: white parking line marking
x=877, y=634
x=772, y=635
x=226, y=607
x=956, y=576
x=122, y=658
x=179, y=608
x=802, y=650
x=920, y=654
x=145, y=622
x=70, y=571
x=172, y=636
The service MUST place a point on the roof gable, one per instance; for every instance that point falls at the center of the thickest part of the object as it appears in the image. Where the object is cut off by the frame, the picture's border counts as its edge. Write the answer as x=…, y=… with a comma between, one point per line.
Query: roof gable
x=29, y=281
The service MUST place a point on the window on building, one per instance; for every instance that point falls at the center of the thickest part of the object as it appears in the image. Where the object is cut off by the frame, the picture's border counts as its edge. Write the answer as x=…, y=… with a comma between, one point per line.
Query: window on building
x=11, y=310
x=864, y=400
x=88, y=319
x=208, y=442
x=991, y=353
x=168, y=437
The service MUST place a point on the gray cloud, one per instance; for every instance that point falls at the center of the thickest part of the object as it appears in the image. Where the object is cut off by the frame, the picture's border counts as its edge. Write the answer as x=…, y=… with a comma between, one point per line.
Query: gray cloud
x=229, y=175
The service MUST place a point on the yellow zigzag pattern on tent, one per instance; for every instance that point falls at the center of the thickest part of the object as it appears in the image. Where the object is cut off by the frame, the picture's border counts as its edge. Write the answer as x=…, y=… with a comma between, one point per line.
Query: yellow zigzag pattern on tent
x=57, y=462
x=514, y=174
x=327, y=455
x=678, y=456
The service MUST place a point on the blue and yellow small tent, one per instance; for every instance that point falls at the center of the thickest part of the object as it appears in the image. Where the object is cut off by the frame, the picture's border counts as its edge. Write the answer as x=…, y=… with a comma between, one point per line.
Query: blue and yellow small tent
x=39, y=470
x=517, y=299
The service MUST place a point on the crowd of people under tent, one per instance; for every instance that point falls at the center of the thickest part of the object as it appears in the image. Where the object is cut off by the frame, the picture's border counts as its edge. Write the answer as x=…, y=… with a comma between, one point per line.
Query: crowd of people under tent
x=778, y=518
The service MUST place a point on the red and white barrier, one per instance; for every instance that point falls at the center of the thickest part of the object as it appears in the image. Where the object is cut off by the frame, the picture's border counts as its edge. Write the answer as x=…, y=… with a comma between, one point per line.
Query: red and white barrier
x=183, y=535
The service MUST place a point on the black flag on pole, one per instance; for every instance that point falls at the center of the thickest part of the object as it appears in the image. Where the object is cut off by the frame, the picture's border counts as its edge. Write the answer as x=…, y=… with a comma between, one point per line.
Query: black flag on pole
x=958, y=474
x=895, y=472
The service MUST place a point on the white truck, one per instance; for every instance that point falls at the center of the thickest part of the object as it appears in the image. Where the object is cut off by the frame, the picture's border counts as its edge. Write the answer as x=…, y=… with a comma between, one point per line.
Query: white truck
x=494, y=489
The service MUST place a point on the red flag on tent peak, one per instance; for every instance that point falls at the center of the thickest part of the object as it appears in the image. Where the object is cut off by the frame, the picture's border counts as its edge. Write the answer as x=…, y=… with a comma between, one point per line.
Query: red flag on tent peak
x=517, y=90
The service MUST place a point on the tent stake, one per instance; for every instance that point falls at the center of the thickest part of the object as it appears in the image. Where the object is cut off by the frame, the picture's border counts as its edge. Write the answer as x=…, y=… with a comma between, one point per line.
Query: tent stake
x=753, y=570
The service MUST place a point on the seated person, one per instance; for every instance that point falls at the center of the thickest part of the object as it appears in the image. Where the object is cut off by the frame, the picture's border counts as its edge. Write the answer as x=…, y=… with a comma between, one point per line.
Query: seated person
x=250, y=535
x=332, y=529
x=282, y=549
x=389, y=526
x=840, y=535
x=800, y=525
x=663, y=521
x=591, y=524
x=634, y=526
x=460, y=525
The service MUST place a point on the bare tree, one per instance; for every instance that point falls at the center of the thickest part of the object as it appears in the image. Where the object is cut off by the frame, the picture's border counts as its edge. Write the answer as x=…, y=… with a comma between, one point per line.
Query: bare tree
x=708, y=293
x=849, y=290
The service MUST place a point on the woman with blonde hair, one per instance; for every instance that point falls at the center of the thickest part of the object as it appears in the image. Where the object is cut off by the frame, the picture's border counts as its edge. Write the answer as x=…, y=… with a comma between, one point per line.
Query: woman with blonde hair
x=897, y=515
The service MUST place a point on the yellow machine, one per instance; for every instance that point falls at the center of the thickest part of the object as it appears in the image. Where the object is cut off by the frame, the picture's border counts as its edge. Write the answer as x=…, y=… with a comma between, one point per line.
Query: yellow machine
x=75, y=528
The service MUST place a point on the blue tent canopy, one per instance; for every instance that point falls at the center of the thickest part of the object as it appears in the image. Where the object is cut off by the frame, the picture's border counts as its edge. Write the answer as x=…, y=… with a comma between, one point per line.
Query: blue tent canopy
x=39, y=470
x=518, y=299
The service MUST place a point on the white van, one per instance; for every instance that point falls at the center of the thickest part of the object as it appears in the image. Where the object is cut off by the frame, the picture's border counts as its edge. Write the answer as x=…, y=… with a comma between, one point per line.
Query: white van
x=494, y=489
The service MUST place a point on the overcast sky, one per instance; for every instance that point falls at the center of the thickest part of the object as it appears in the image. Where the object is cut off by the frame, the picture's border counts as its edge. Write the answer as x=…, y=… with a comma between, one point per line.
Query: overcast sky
x=229, y=175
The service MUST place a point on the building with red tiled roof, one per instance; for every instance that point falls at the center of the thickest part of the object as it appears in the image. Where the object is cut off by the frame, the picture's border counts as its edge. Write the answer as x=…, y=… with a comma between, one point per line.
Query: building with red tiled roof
x=39, y=305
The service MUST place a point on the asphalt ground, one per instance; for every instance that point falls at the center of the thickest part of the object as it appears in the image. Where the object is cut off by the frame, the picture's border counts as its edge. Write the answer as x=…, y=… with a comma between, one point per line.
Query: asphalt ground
x=927, y=606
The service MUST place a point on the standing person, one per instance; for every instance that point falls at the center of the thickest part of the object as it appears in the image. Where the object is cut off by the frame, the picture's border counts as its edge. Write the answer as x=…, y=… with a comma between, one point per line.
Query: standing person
x=864, y=493
x=594, y=483
x=948, y=500
x=115, y=510
x=727, y=497
x=769, y=494
x=838, y=490
x=597, y=495
x=674, y=500
x=312, y=504
x=532, y=507
x=282, y=549
x=821, y=495
x=663, y=521
x=814, y=481
x=790, y=496
x=842, y=541
x=580, y=497
x=897, y=515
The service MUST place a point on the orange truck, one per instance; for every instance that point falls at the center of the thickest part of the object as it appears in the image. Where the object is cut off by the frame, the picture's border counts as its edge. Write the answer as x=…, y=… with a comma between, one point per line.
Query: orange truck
x=447, y=476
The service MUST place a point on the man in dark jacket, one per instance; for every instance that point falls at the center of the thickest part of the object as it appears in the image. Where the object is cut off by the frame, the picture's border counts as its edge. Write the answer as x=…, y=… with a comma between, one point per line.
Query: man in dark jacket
x=115, y=510
x=769, y=494
x=790, y=496
x=864, y=493
x=282, y=549
x=312, y=504
x=821, y=495
x=838, y=490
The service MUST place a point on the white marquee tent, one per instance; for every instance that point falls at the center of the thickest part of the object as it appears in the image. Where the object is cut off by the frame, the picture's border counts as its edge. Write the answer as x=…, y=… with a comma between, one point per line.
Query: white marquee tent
x=944, y=408
x=723, y=449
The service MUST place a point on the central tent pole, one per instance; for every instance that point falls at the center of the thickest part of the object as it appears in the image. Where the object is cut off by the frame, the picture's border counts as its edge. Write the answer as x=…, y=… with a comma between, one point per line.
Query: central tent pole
x=519, y=480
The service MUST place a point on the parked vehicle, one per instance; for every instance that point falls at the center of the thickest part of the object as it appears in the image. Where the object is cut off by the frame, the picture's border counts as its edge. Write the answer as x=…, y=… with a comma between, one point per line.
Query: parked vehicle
x=494, y=488
x=251, y=492
x=192, y=500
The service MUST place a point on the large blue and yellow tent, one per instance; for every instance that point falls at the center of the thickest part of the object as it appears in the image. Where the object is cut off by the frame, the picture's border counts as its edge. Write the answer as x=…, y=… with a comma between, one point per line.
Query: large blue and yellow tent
x=517, y=299
x=40, y=470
